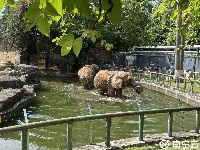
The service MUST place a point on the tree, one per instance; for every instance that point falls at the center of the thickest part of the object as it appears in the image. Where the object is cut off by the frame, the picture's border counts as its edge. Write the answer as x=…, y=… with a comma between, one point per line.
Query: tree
x=187, y=16
x=162, y=29
x=12, y=27
x=42, y=13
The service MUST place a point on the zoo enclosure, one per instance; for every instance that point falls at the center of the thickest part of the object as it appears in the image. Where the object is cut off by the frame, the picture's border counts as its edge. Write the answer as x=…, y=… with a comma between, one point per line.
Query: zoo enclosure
x=141, y=57
x=108, y=116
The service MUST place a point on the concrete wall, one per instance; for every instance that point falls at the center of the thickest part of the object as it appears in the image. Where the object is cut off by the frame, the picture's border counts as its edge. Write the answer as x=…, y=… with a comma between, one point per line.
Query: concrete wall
x=189, y=98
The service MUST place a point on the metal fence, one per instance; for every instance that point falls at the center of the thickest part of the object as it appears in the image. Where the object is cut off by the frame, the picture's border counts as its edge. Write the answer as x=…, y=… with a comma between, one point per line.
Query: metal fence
x=108, y=116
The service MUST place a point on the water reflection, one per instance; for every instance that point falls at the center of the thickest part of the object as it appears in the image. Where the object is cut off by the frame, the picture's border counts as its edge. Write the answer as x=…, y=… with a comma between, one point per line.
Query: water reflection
x=67, y=99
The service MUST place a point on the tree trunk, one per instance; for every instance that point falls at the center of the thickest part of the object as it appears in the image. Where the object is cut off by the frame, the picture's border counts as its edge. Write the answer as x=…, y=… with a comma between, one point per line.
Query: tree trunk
x=182, y=52
x=177, y=50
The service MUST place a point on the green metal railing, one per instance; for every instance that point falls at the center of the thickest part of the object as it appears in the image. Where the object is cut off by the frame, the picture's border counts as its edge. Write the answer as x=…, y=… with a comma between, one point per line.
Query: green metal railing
x=108, y=116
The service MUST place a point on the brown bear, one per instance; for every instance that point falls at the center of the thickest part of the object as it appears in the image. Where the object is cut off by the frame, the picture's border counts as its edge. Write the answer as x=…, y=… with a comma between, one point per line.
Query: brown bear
x=86, y=75
x=112, y=82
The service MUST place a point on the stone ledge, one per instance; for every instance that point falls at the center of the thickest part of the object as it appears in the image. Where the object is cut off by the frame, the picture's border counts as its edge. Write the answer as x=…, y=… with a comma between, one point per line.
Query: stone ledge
x=189, y=98
x=131, y=142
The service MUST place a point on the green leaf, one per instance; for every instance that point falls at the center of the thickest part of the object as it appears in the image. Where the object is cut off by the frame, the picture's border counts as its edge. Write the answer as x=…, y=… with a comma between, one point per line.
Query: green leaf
x=65, y=50
x=57, y=4
x=174, y=14
x=108, y=46
x=89, y=33
x=75, y=11
x=100, y=18
x=29, y=27
x=84, y=34
x=33, y=13
x=115, y=15
x=11, y=2
x=43, y=25
x=67, y=40
x=42, y=4
x=83, y=7
x=69, y=5
x=2, y=3
x=93, y=38
x=103, y=42
x=77, y=46
x=106, y=4
x=56, y=18
x=50, y=10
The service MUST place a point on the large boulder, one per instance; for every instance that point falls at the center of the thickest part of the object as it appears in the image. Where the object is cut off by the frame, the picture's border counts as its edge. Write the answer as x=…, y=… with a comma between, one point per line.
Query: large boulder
x=31, y=73
x=5, y=64
x=9, y=97
x=10, y=82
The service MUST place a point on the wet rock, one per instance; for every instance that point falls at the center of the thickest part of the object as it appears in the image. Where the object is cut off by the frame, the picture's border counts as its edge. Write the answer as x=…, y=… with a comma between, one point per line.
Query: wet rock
x=28, y=90
x=30, y=73
x=9, y=72
x=5, y=64
x=8, y=97
x=10, y=82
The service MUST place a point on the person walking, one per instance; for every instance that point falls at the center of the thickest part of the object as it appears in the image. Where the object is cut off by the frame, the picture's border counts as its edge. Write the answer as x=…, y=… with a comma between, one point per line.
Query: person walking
x=171, y=69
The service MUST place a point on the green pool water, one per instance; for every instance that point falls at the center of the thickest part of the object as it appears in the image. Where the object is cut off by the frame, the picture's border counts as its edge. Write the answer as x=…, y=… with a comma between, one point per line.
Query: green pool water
x=66, y=98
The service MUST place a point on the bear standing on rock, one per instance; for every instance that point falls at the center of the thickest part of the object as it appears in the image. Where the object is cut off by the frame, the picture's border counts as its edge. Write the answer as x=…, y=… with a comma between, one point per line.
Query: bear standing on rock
x=86, y=75
x=112, y=83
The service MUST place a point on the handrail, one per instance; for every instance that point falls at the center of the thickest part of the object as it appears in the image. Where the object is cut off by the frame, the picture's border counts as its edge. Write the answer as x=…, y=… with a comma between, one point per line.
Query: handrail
x=24, y=127
x=93, y=117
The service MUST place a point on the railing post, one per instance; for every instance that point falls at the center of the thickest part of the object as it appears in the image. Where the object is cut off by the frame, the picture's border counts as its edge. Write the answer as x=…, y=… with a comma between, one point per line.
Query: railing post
x=69, y=136
x=177, y=82
x=108, y=125
x=163, y=78
x=184, y=84
x=170, y=122
x=139, y=75
x=25, y=139
x=197, y=121
x=141, y=125
x=150, y=76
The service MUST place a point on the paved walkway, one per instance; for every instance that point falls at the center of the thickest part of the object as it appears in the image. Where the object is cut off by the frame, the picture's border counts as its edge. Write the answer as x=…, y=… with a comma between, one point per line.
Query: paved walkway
x=148, y=139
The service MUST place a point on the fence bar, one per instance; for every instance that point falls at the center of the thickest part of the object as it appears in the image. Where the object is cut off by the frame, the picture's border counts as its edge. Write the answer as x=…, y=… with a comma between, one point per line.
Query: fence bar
x=69, y=136
x=184, y=87
x=108, y=125
x=141, y=126
x=197, y=121
x=25, y=139
x=170, y=122
x=177, y=82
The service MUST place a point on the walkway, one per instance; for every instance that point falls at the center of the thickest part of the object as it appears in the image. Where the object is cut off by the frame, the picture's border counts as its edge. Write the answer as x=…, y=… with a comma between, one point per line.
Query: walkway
x=148, y=139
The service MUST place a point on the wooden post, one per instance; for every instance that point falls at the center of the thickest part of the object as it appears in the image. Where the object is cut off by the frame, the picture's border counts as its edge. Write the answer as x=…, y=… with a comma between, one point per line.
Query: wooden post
x=69, y=136
x=170, y=122
x=141, y=126
x=197, y=121
x=108, y=125
x=25, y=139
